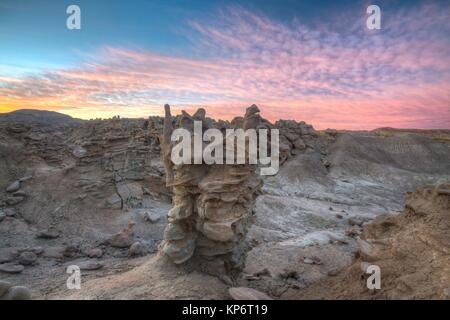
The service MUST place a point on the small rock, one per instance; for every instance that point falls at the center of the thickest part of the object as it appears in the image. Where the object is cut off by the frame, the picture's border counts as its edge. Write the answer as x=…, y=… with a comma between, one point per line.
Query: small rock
x=227, y=280
x=286, y=274
x=136, y=249
x=316, y=260
x=54, y=252
x=244, y=293
x=95, y=253
x=25, y=178
x=82, y=196
x=339, y=216
x=10, y=212
x=90, y=265
x=48, y=234
x=17, y=293
x=27, y=258
x=20, y=194
x=36, y=250
x=352, y=232
x=151, y=217
x=308, y=261
x=123, y=239
x=71, y=251
x=333, y=272
x=11, y=268
x=263, y=272
x=13, y=186
x=355, y=222
x=250, y=277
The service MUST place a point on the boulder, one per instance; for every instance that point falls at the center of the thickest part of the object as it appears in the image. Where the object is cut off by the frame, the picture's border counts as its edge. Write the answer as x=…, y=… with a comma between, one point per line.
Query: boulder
x=136, y=249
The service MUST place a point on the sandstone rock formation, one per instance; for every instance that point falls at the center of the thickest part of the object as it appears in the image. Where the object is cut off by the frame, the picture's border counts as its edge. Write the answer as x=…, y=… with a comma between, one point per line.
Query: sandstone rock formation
x=294, y=137
x=212, y=205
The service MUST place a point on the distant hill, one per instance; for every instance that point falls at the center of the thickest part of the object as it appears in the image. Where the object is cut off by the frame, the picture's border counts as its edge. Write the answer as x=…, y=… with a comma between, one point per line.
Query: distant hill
x=39, y=117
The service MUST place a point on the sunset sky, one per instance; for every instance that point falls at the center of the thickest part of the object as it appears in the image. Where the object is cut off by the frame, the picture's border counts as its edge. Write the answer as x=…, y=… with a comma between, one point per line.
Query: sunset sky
x=306, y=60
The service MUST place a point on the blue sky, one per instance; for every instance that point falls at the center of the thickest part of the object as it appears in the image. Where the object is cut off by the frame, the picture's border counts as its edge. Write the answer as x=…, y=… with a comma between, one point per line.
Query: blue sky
x=33, y=33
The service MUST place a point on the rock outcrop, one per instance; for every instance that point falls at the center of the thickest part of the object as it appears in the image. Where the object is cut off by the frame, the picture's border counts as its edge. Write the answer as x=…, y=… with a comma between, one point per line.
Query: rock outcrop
x=410, y=249
x=212, y=204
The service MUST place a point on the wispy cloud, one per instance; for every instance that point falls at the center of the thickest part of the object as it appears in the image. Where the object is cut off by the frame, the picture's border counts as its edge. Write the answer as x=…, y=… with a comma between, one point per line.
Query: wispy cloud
x=336, y=74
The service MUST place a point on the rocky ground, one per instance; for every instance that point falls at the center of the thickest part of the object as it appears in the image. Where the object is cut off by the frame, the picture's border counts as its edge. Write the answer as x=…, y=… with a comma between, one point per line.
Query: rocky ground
x=92, y=194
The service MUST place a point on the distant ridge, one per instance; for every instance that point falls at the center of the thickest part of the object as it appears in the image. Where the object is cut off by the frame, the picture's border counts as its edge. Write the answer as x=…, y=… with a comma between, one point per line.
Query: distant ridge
x=39, y=117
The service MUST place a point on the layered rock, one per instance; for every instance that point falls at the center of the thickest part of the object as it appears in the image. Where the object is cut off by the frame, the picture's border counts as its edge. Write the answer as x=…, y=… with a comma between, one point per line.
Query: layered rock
x=294, y=137
x=212, y=204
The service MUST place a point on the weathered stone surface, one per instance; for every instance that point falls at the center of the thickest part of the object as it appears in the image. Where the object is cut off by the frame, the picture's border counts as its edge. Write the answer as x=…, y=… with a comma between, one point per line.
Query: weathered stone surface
x=179, y=250
x=174, y=231
x=219, y=231
x=180, y=212
x=243, y=293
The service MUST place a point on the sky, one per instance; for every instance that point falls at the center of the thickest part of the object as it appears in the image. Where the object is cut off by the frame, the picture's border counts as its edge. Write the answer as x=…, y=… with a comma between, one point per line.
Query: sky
x=314, y=61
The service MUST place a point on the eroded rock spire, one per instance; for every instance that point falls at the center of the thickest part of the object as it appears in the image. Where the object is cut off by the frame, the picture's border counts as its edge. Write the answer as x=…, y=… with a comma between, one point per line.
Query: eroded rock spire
x=212, y=205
